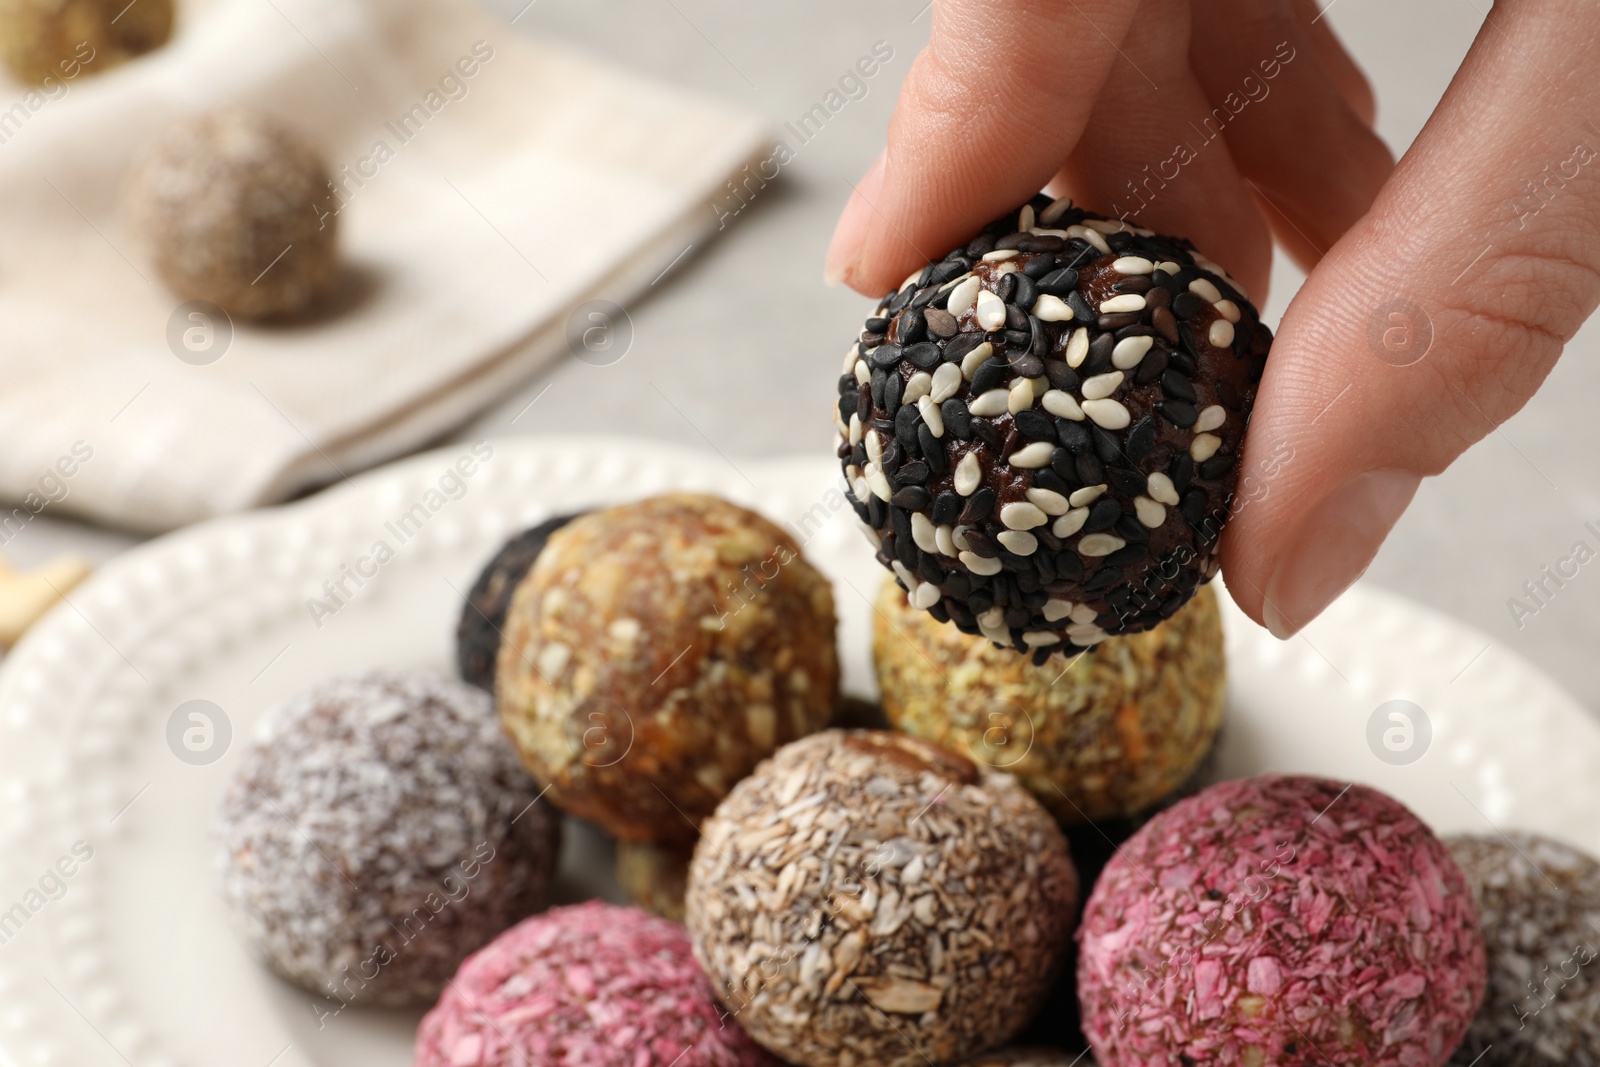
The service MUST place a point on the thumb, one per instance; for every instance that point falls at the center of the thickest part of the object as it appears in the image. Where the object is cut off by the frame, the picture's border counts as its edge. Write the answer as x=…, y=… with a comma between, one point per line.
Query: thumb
x=1432, y=320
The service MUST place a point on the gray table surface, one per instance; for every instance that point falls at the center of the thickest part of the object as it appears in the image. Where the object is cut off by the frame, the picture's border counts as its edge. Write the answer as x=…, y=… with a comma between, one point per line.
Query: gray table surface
x=1515, y=502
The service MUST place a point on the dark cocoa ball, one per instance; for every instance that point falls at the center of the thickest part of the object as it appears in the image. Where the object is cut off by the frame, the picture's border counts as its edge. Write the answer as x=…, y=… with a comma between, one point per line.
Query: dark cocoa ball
x=483, y=616
x=1041, y=430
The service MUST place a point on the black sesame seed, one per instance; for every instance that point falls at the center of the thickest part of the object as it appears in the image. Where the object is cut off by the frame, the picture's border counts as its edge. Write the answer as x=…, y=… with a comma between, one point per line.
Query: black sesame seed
x=988, y=433
x=980, y=544
x=1140, y=438
x=1103, y=515
x=1057, y=282
x=1127, y=555
x=1081, y=311
x=876, y=511
x=933, y=451
x=1069, y=567
x=1012, y=443
x=1217, y=466
x=1165, y=323
x=978, y=507
x=957, y=419
x=1016, y=318
x=1050, y=541
x=847, y=384
x=980, y=245
x=1040, y=242
x=893, y=387
x=1006, y=287
x=953, y=266
x=1129, y=528
x=877, y=324
x=989, y=375
x=1183, y=362
x=1044, y=566
x=1137, y=283
x=1187, y=305
x=1175, y=384
x=899, y=300
x=861, y=510
x=912, y=497
x=1074, y=436
x=1026, y=291
x=858, y=455
x=906, y=421
x=1157, y=296
x=940, y=323
x=924, y=297
x=1040, y=265
x=1090, y=471
x=1098, y=361
x=1064, y=467
x=1040, y=345
x=847, y=407
x=1152, y=366
x=1061, y=376
x=956, y=349
x=1117, y=321
x=1027, y=366
x=886, y=356
x=905, y=550
x=1181, y=471
x=1193, y=506
x=1009, y=240
x=928, y=569
x=1119, y=242
x=946, y=508
x=1045, y=478
x=1017, y=617
x=957, y=584
x=1034, y=425
x=980, y=600
x=1178, y=412
x=924, y=355
x=910, y=326
x=1020, y=339
x=1106, y=445
x=1104, y=578
x=914, y=473
x=900, y=522
x=1126, y=480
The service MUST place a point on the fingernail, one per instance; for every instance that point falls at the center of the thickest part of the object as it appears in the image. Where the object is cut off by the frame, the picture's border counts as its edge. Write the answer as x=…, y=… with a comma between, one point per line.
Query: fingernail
x=845, y=248
x=1333, y=546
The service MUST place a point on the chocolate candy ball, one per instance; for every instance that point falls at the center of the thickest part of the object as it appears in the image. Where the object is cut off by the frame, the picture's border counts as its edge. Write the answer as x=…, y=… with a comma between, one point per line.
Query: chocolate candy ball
x=233, y=208
x=1539, y=904
x=1110, y=737
x=57, y=40
x=1041, y=430
x=656, y=652
x=376, y=831
x=1280, y=920
x=483, y=616
x=593, y=984
x=867, y=897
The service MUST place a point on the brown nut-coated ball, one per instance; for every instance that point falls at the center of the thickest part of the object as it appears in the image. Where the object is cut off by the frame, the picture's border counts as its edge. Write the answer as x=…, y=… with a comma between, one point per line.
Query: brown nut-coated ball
x=233, y=208
x=1106, y=735
x=866, y=897
x=657, y=651
x=43, y=41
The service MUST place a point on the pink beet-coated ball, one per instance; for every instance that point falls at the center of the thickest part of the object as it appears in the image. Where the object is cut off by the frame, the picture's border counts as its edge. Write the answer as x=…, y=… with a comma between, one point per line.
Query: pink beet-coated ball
x=1280, y=920
x=593, y=985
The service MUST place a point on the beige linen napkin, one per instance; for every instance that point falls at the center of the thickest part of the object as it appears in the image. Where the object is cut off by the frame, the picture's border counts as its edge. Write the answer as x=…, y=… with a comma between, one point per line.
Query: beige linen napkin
x=498, y=202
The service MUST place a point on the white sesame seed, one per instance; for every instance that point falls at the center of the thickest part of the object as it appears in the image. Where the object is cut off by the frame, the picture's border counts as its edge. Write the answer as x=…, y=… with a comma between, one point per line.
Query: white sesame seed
x=1204, y=446
x=978, y=565
x=852, y=472
x=988, y=405
x=850, y=357
x=975, y=359
x=1084, y=615
x=968, y=474
x=1082, y=498
x=991, y=313
x=855, y=429
x=1055, y=609
x=1048, y=501
x=1020, y=397
x=878, y=483
x=1051, y=308
x=1086, y=636
x=1227, y=309
x=962, y=296
x=912, y=278
x=919, y=386
x=1099, y=544
x=1045, y=232
x=870, y=534
x=1161, y=489
x=1106, y=225
x=1010, y=266
x=1150, y=513
x=994, y=617
x=1101, y=386
x=1132, y=265
x=863, y=372
x=904, y=574
x=942, y=536
x=1077, y=346
x=958, y=537
x=1169, y=266
x=1203, y=288
x=1061, y=404
x=1057, y=208
x=1092, y=236
x=922, y=532
x=1034, y=456
x=1071, y=522
x=931, y=415
x=1017, y=542
x=1040, y=638
x=946, y=380
x=1022, y=515
x=1025, y=218
x=1129, y=351
x=861, y=489
x=925, y=596
x=1122, y=302
x=998, y=254
x=1107, y=413
x=874, y=445
x=1221, y=335
x=944, y=290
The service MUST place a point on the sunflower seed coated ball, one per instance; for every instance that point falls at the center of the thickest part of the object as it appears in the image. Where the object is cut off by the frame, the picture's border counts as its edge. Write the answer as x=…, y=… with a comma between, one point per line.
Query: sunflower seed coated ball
x=377, y=831
x=867, y=897
x=233, y=208
x=656, y=652
x=1041, y=430
x=45, y=40
x=1539, y=904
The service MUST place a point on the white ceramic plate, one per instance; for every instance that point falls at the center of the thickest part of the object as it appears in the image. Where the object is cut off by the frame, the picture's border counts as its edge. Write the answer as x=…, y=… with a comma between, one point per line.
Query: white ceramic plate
x=130, y=959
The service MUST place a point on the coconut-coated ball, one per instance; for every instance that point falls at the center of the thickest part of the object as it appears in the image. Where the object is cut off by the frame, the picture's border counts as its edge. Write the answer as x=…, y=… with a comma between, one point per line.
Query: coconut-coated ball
x=1280, y=920
x=1539, y=904
x=233, y=207
x=656, y=652
x=376, y=831
x=867, y=897
x=45, y=40
x=592, y=985
x=1041, y=430
x=1108, y=737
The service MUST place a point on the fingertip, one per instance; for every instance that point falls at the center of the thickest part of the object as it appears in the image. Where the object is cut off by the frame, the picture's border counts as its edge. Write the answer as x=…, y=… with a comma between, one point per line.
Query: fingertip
x=855, y=221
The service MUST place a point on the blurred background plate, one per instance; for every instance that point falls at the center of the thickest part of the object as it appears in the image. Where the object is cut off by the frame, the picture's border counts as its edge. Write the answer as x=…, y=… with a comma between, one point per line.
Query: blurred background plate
x=135, y=963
